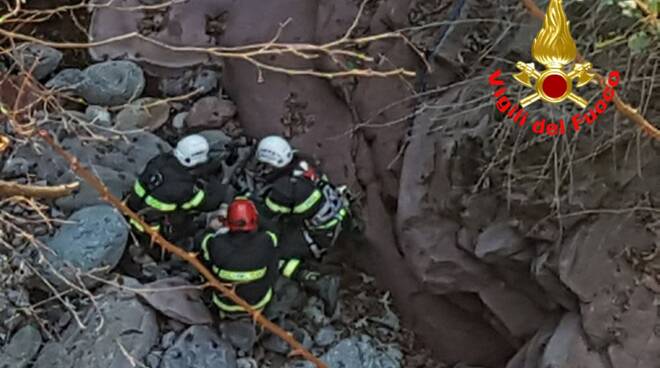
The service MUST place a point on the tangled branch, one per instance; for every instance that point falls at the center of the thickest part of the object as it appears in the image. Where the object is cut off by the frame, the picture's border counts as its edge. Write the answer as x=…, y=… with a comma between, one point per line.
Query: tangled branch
x=626, y=109
x=189, y=257
x=342, y=47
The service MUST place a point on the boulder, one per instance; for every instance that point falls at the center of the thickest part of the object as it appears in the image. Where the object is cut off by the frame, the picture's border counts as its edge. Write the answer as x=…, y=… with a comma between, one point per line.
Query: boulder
x=499, y=241
x=568, y=347
x=93, y=237
x=112, y=83
x=22, y=348
x=210, y=112
x=199, y=347
x=173, y=300
x=126, y=327
x=85, y=196
x=42, y=60
x=66, y=80
x=143, y=114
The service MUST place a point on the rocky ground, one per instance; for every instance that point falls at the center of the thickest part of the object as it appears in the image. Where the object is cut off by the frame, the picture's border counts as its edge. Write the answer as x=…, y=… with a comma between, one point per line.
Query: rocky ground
x=496, y=246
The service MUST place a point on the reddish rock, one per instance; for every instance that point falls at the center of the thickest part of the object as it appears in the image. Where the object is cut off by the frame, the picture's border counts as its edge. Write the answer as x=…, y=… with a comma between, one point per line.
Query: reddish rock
x=210, y=112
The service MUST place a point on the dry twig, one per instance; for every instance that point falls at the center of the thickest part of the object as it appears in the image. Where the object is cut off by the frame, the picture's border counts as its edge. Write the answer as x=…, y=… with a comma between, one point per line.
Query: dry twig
x=11, y=189
x=628, y=111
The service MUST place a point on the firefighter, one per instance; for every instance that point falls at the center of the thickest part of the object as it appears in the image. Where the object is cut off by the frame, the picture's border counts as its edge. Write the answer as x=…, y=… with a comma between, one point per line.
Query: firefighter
x=169, y=189
x=246, y=256
x=303, y=196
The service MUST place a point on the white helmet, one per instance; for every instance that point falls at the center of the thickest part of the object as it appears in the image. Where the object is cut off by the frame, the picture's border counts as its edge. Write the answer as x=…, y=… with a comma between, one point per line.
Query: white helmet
x=275, y=150
x=192, y=150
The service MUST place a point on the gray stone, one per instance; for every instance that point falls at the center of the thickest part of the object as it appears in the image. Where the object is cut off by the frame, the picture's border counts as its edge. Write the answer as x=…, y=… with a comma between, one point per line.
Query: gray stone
x=217, y=138
x=22, y=348
x=93, y=237
x=179, y=120
x=241, y=334
x=246, y=363
x=98, y=115
x=145, y=113
x=359, y=352
x=112, y=83
x=127, y=327
x=206, y=81
x=182, y=304
x=498, y=241
x=199, y=347
x=153, y=359
x=275, y=344
x=568, y=347
x=326, y=336
x=167, y=340
x=42, y=60
x=66, y=80
x=118, y=183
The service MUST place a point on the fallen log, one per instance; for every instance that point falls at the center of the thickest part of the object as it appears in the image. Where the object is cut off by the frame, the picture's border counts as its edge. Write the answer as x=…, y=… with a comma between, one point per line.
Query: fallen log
x=11, y=189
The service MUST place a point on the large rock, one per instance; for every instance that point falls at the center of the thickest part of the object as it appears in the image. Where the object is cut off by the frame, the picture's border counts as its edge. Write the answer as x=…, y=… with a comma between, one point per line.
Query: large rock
x=41, y=60
x=568, y=347
x=199, y=347
x=23, y=347
x=171, y=298
x=143, y=114
x=126, y=327
x=210, y=112
x=112, y=83
x=93, y=237
x=359, y=352
x=499, y=241
x=117, y=182
x=66, y=80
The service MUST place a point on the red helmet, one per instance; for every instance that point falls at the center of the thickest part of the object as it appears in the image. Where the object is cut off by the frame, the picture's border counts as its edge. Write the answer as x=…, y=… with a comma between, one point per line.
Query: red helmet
x=242, y=215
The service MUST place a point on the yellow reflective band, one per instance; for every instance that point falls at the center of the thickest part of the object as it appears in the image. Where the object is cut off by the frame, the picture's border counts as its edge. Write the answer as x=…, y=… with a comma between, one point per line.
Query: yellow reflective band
x=290, y=267
x=195, y=201
x=309, y=202
x=139, y=189
x=273, y=237
x=161, y=206
x=242, y=276
x=237, y=308
x=205, y=246
x=276, y=207
x=139, y=227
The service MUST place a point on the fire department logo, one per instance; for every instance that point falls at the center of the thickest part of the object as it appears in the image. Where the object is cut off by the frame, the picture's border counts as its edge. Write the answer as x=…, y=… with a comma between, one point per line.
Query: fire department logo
x=554, y=48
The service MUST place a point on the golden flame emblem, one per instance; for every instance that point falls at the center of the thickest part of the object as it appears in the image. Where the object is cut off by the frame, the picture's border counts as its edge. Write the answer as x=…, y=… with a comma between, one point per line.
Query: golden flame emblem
x=554, y=48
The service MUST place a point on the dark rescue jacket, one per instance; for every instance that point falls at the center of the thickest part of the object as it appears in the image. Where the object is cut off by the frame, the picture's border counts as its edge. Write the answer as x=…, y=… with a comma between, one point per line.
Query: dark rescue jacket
x=301, y=192
x=249, y=260
x=165, y=187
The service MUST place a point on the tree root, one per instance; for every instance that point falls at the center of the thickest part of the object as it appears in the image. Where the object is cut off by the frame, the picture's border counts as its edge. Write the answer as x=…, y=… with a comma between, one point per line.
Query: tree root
x=11, y=189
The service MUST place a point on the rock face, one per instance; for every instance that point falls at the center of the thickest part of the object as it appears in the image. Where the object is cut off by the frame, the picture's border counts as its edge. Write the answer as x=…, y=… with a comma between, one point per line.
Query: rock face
x=199, y=347
x=23, y=347
x=112, y=83
x=94, y=237
x=127, y=326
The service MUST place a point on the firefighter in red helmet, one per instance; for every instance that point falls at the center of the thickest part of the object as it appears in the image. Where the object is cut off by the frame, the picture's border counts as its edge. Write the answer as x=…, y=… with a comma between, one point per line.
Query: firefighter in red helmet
x=242, y=255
